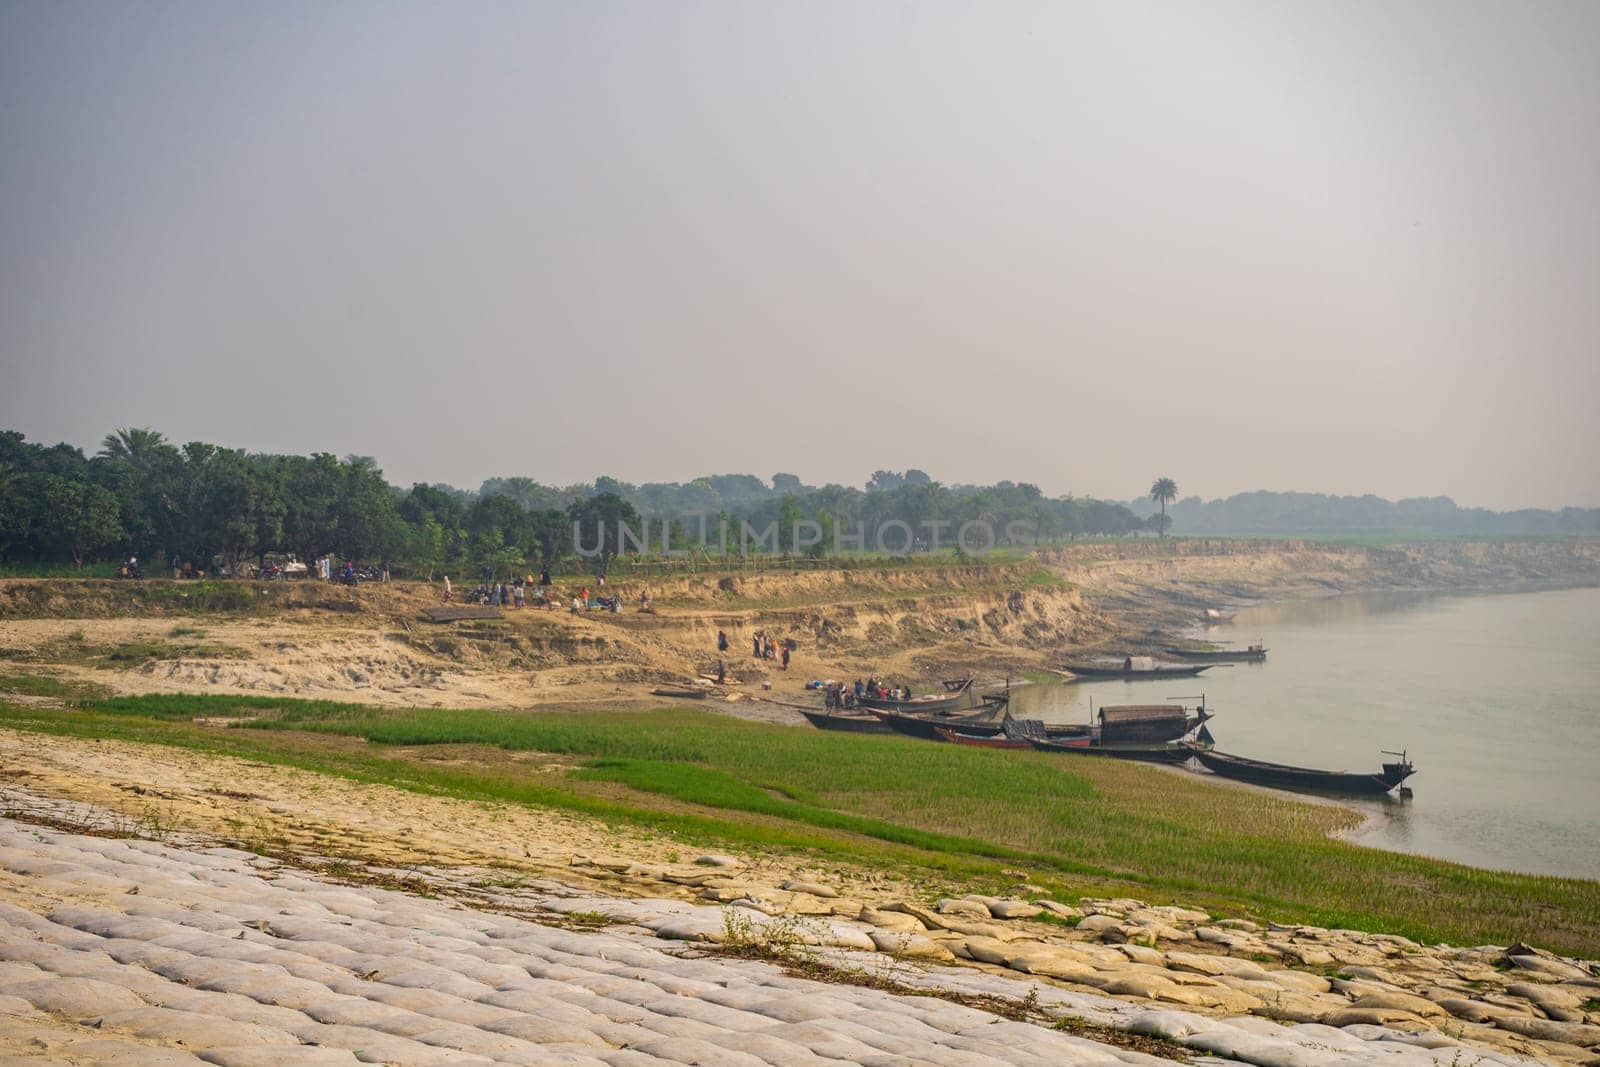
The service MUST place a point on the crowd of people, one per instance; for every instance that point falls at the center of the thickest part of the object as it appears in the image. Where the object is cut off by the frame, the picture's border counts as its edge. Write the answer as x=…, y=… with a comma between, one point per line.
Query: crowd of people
x=513, y=594
x=843, y=695
x=764, y=647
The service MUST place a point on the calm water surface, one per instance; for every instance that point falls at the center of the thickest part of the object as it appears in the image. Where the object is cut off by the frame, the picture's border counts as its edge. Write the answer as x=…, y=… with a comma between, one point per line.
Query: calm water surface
x=1496, y=698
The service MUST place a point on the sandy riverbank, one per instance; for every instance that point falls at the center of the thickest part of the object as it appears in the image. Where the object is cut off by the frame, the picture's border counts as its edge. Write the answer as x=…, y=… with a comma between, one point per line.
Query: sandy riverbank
x=917, y=623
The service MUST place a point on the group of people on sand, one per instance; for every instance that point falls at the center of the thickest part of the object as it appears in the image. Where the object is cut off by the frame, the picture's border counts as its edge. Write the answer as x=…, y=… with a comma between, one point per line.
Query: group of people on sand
x=764, y=647
x=514, y=593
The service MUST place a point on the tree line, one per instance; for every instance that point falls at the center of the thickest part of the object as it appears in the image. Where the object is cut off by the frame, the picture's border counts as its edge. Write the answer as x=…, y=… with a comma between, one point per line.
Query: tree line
x=1291, y=514
x=141, y=495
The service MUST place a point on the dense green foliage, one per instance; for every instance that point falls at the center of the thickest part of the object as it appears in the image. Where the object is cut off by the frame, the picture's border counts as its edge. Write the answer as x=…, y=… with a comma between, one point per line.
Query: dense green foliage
x=221, y=508
x=1088, y=825
x=218, y=507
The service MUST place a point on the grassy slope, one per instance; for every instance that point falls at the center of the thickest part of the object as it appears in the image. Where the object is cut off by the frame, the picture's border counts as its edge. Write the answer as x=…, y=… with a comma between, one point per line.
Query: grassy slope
x=961, y=815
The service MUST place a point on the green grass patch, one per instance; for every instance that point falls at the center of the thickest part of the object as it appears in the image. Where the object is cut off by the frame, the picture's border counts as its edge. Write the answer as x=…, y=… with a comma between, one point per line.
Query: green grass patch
x=936, y=813
x=133, y=653
x=57, y=570
x=40, y=685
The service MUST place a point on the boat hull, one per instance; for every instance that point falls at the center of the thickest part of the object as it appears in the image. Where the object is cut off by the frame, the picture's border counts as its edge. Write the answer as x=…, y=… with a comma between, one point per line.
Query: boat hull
x=1153, y=732
x=852, y=724
x=1134, y=674
x=1302, y=779
x=980, y=723
x=1225, y=655
x=957, y=737
x=1171, y=754
x=918, y=705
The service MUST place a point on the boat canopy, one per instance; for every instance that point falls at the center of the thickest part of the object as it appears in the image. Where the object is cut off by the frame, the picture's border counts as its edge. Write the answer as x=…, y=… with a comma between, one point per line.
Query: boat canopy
x=1131, y=713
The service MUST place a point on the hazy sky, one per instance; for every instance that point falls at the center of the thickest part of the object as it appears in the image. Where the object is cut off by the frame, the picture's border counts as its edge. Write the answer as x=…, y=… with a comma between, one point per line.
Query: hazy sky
x=1341, y=247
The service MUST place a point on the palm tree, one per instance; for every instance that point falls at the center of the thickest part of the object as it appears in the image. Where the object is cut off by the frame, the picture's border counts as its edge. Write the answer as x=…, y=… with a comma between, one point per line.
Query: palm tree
x=134, y=445
x=1161, y=491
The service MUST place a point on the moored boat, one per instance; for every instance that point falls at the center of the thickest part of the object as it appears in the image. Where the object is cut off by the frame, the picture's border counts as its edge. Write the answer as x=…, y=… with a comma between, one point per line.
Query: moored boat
x=957, y=699
x=679, y=694
x=980, y=721
x=957, y=737
x=1030, y=732
x=846, y=722
x=1250, y=654
x=1148, y=724
x=1306, y=779
x=919, y=705
x=1134, y=668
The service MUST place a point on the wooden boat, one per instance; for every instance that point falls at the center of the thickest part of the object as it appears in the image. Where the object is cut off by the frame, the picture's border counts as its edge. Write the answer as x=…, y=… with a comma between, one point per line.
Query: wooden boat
x=980, y=722
x=927, y=703
x=1030, y=733
x=1304, y=778
x=957, y=737
x=844, y=721
x=1148, y=724
x=1137, y=671
x=1252, y=654
x=680, y=694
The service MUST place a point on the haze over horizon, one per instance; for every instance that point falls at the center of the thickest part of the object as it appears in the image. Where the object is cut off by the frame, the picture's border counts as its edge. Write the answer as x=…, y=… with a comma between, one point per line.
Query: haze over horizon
x=1334, y=248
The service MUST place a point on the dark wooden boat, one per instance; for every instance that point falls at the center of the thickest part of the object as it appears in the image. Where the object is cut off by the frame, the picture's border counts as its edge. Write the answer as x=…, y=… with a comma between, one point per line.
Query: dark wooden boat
x=981, y=722
x=1305, y=779
x=847, y=722
x=680, y=694
x=1148, y=724
x=1135, y=673
x=955, y=685
x=1030, y=733
x=1252, y=654
x=956, y=737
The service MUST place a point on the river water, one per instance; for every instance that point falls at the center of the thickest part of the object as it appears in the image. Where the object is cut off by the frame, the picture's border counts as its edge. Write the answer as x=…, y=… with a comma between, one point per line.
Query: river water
x=1495, y=697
